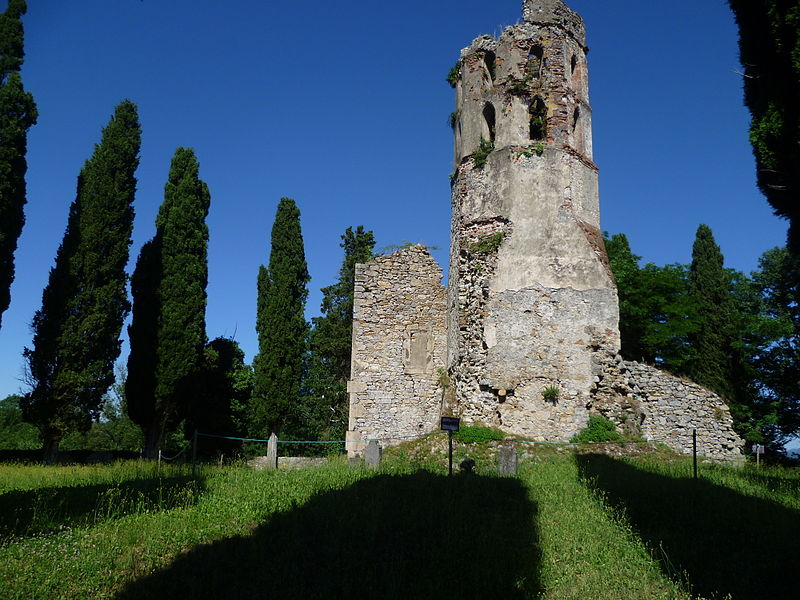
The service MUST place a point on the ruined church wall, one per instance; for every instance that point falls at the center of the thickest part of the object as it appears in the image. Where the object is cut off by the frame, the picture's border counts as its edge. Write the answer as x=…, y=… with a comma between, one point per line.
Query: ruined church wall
x=663, y=408
x=399, y=339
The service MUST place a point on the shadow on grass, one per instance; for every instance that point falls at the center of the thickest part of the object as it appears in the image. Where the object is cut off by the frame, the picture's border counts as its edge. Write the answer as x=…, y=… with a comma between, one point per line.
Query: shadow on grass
x=28, y=512
x=414, y=536
x=719, y=541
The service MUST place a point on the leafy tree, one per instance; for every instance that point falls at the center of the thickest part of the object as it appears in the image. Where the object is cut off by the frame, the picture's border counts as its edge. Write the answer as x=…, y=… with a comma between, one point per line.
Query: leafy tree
x=778, y=362
x=226, y=385
x=17, y=114
x=656, y=311
x=15, y=434
x=713, y=339
x=280, y=324
x=632, y=316
x=333, y=331
x=76, y=332
x=769, y=49
x=169, y=287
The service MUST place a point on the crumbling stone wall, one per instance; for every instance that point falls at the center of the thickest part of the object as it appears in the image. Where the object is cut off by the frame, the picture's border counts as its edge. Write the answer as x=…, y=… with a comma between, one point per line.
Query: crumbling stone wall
x=531, y=303
x=642, y=400
x=527, y=311
x=399, y=339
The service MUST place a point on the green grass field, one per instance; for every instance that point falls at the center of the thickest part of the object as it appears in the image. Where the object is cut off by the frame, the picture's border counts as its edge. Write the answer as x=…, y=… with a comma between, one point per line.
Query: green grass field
x=582, y=526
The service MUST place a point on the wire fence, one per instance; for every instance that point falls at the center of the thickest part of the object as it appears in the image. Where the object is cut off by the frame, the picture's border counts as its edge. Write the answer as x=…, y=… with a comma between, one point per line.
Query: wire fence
x=198, y=434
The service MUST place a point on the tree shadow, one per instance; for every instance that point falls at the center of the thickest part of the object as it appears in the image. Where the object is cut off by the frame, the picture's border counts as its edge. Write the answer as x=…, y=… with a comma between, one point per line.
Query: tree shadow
x=413, y=536
x=717, y=540
x=29, y=512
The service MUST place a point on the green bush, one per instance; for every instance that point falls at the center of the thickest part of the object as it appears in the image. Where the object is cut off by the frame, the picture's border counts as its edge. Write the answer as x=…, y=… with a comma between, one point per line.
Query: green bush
x=488, y=243
x=480, y=155
x=475, y=434
x=454, y=75
x=599, y=429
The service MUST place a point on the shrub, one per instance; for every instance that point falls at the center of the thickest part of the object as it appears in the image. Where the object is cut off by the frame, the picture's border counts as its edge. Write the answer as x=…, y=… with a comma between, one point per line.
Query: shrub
x=482, y=153
x=550, y=394
x=488, y=243
x=454, y=75
x=599, y=429
x=452, y=120
x=475, y=434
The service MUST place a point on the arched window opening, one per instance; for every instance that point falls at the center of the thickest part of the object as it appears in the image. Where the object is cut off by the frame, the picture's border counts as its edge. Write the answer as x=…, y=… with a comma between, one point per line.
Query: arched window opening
x=538, y=119
x=573, y=64
x=489, y=60
x=576, y=114
x=489, y=118
x=534, y=66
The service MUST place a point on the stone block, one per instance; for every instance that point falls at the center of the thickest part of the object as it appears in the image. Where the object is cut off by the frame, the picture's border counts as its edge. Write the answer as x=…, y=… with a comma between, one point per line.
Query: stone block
x=507, y=461
x=271, y=461
x=355, y=387
x=372, y=455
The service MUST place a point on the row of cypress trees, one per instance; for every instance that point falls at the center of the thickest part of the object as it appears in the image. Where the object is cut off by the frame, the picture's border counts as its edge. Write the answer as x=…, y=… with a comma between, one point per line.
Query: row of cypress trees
x=299, y=374
x=76, y=331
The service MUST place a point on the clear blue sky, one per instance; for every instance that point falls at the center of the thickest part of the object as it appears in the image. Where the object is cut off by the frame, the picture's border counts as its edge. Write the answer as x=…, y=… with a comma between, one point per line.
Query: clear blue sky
x=343, y=107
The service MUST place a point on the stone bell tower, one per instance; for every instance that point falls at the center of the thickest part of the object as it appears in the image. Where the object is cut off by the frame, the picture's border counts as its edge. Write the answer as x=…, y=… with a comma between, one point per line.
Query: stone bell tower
x=531, y=299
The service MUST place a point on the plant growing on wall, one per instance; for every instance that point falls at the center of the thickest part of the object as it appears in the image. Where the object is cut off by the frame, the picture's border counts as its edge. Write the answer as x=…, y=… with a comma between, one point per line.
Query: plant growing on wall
x=452, y=120
x=442, y=378
x=550, y=394
x=488, y=243
x=454, y=75
x=598, y=429
x=480, y=155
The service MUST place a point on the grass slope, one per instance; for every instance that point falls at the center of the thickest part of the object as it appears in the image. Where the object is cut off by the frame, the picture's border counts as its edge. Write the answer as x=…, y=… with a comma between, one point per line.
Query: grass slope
x=569, y=526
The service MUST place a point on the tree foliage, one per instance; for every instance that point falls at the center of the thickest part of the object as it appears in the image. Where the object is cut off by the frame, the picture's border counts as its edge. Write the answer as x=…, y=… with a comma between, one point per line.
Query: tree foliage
x=76, y=332
x=224, y=390
x=712, y=339
x=333, y=331
x=18, y=114
x=169, y=286
x=665, y=317
x=777, y=362
x=769, y=49
x=656, y=311
x=15, y=433
x=322, y=412
x=280, y=324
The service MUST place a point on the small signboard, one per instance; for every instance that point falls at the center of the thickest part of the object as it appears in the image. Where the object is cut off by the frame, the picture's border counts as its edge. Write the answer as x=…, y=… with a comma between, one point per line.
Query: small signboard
x=758, y=449
x=450, y=423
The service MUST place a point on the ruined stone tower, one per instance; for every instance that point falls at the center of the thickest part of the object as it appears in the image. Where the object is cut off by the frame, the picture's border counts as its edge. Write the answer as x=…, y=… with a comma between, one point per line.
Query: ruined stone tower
x=526, y=336
x=530, y=297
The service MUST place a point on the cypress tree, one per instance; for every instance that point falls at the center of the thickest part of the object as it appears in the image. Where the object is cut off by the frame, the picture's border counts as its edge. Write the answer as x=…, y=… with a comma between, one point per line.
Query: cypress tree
x=140, y=385
x=769, y=50
x=713, y=339
x=280, y=324
x=76, y=332
x=168, y=332
x=17, y=114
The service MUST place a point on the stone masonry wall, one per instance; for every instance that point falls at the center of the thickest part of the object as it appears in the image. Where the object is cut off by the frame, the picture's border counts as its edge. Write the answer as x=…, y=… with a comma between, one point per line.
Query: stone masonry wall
x=399, y=338
x=640, y=399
